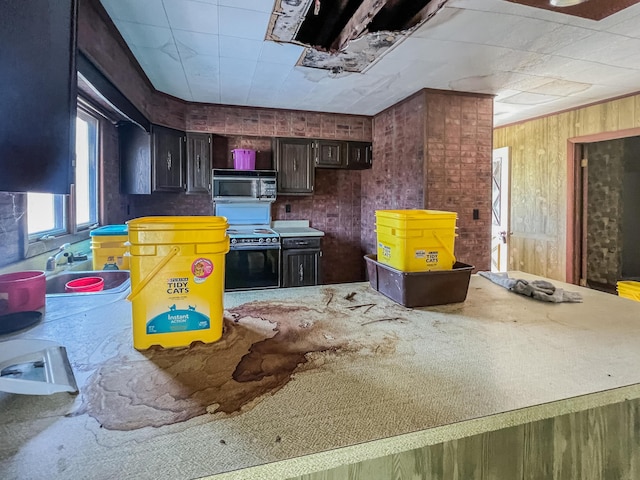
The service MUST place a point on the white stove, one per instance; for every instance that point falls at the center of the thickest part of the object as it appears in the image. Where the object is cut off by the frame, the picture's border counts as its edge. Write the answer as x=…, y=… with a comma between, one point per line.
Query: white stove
x=253, y=260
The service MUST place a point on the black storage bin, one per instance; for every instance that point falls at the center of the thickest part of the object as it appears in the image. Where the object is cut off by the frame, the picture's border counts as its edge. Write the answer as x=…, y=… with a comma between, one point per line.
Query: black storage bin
x=419, y=289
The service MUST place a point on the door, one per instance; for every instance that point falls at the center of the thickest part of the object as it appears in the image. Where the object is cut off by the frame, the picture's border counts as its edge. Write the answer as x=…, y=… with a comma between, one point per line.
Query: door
x=198, y=163
x=500, y=210
x=295, y=165
x=301, y=268
x=168, y=153
x=252, y=267
x=330, y=154
x=359, y=155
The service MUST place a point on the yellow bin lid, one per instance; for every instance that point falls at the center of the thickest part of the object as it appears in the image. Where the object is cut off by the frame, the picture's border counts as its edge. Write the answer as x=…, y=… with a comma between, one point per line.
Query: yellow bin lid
x=414, y=214
x=164, y=223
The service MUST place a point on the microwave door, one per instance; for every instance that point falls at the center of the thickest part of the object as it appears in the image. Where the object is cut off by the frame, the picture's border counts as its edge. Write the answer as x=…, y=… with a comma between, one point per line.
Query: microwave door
x=229, y=188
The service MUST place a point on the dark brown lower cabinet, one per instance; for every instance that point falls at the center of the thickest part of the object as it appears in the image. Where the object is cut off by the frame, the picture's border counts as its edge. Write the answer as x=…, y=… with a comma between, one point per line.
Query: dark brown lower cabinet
x=301, y=262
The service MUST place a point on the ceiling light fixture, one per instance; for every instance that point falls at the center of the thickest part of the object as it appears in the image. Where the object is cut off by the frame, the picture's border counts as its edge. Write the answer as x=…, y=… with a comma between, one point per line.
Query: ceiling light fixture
x=565, y=3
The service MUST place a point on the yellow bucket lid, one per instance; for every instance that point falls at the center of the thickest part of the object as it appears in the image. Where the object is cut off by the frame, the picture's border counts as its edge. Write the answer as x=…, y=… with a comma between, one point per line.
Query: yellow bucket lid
x=195, y=222
x=415, y=213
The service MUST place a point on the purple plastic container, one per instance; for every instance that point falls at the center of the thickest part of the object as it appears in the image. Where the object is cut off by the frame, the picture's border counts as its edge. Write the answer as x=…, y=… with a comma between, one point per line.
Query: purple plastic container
x=244, y=159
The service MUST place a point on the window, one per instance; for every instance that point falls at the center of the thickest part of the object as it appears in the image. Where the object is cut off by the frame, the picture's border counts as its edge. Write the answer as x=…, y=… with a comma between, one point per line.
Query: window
x=86, y=192
x=50, y=215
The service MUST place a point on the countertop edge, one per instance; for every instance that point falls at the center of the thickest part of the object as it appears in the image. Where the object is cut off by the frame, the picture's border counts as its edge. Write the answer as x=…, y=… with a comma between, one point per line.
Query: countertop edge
x=326, y=460
x=299, y=232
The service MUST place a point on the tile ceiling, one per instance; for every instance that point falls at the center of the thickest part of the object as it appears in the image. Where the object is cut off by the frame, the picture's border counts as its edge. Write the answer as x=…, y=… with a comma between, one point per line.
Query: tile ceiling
x=534, y=61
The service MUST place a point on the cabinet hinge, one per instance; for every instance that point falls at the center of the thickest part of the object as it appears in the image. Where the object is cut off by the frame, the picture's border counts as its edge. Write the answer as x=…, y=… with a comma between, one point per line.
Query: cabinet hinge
x=583, y=162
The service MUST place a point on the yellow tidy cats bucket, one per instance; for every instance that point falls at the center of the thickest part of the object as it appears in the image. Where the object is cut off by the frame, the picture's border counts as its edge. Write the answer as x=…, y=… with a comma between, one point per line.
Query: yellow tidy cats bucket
x=177, y=279
x=416, y=240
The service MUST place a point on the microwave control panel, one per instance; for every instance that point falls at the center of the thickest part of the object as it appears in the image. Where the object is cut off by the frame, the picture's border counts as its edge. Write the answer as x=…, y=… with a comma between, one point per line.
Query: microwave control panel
x=268, y=188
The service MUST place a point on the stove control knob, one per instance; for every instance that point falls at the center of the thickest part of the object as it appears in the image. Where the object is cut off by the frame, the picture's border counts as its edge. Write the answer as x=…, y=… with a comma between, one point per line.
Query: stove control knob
x=260, y=240
x=234, y=240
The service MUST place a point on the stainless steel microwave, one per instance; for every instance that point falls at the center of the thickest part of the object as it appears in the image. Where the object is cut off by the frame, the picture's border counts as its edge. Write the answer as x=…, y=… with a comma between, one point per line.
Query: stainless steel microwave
x=243, y=185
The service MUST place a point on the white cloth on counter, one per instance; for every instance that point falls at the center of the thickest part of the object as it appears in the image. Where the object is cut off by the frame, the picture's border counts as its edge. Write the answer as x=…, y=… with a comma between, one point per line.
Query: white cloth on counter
x=537, y=289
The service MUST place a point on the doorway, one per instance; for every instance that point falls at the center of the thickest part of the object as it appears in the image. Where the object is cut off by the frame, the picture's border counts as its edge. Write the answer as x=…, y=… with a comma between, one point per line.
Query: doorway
x=500, y=200
x=606, y=203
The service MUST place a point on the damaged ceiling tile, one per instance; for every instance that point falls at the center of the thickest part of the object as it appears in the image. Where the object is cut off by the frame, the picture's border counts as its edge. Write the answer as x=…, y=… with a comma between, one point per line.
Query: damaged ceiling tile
x=347, y=35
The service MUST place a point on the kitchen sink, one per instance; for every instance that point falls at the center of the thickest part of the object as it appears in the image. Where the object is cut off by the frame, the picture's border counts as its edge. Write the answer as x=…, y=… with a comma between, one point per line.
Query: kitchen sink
x=115, y=281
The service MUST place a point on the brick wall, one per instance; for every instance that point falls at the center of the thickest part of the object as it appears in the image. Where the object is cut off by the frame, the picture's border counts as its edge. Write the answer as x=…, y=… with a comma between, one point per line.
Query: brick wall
x=396, y=179
x=276, y=123
x=433, y=151
x=459, y=130
x=100, y=41
x=334, y=208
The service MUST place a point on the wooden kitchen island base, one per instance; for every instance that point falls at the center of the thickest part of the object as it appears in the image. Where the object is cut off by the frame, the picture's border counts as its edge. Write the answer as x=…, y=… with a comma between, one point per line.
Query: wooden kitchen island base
x=339, y=382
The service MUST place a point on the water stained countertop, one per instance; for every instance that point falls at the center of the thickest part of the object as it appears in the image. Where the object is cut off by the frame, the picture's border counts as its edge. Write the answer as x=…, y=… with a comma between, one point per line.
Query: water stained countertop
x=300, y=373
x=264, y=344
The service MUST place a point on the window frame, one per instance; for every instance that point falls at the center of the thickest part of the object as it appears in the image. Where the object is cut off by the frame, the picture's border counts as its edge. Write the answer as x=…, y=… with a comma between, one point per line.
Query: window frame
x=66, y=230
x=94, y=171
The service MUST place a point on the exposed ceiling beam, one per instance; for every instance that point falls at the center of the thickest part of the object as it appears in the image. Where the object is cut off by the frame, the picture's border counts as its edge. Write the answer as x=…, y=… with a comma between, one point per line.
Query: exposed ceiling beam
x=357, y=24
x=428, y=11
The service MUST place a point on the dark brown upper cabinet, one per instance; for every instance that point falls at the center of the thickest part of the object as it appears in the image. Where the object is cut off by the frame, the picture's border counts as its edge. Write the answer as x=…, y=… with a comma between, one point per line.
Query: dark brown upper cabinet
x=135, y=159
x=342, y=154
x=151, y=162
x=295, y=165
x=330, y=154
x=168, y=159
x=359, y=155
x=38, y=95
x=199, y=160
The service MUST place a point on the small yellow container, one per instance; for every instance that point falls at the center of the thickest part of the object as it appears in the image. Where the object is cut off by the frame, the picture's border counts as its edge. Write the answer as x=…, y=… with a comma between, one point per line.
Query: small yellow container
x=416, y=240
x=629, y=289
x=177, y=279
x=109, y=248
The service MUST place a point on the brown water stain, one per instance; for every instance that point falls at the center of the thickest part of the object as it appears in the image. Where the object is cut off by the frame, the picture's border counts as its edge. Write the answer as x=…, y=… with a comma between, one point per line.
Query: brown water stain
x=263, y=345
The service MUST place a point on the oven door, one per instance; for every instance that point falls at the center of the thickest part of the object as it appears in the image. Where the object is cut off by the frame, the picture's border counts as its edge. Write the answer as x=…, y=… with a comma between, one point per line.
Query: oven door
x=252, y=266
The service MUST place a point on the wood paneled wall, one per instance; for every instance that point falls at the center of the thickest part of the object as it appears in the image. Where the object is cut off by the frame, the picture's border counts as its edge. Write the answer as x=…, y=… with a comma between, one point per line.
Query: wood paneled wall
x=539, y=179
x=601, y=443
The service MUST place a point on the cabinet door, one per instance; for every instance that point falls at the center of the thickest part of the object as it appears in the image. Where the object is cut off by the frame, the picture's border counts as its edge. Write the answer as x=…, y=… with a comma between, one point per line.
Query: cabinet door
x=38, y=95
x=199, y=148
x=295, y=166
x=300, y=268
x=135, y=159
x=359, y=155
x=168, y=159
x=330, y=154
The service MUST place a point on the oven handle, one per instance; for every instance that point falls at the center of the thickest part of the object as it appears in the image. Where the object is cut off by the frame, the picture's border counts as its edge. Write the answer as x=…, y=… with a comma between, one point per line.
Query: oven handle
x=254, y=247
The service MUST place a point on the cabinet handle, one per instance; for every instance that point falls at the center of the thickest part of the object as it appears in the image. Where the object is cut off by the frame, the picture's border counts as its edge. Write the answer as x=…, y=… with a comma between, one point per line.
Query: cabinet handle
x=330, y=150
x=198, y=159
x=358, y=159
x=301, y=273
x=295, y=164
x=168, y=160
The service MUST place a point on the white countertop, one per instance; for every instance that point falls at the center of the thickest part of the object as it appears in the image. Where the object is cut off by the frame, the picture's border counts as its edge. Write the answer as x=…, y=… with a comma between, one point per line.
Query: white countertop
x=295, y=228
x=366, y=377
